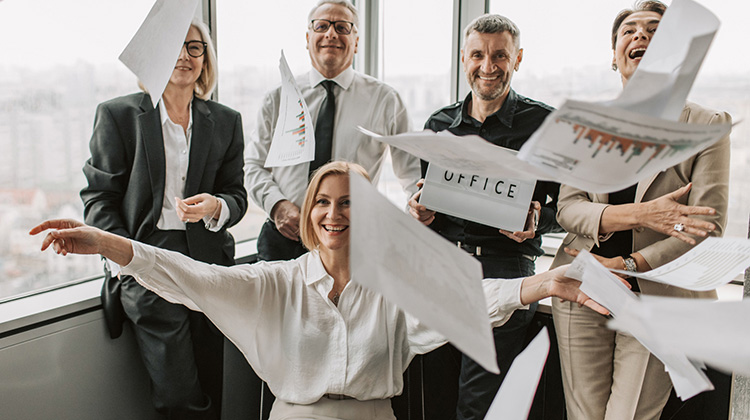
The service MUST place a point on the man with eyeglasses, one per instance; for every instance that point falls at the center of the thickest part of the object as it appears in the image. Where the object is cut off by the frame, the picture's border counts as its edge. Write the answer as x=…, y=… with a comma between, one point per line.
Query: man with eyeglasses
x=339, y=99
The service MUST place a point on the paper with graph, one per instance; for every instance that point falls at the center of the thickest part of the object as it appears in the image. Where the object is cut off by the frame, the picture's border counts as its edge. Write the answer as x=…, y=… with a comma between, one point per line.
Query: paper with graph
x=294, y=136
x=608, y=146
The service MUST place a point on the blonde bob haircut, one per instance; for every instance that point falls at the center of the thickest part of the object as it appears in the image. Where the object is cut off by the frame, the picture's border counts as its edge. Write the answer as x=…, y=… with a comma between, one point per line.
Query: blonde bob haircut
x=206, y=83
x=307, y=234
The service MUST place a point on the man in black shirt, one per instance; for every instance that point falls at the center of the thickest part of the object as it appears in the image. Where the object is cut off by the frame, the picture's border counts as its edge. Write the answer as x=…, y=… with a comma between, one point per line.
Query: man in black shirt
x=498, y=114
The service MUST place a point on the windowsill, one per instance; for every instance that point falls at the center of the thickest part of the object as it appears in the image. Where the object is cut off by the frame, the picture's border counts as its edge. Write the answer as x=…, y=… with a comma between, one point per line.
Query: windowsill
x=45, y=306
x=42, y=307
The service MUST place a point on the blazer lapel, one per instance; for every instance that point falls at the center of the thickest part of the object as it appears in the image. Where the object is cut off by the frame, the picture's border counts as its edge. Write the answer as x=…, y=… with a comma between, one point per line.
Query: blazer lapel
x=152, y=140
x=200, y=146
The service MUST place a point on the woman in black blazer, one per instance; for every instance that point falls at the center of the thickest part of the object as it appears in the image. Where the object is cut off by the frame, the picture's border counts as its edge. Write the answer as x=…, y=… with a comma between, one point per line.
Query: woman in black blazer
x=172, y=177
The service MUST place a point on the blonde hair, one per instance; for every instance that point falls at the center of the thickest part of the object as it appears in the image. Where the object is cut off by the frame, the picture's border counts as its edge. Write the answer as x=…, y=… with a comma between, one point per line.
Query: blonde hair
x=206, y=82
x=306, y=233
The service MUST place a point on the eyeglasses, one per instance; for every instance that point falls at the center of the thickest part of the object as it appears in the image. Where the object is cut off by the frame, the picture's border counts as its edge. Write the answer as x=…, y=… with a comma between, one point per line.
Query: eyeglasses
x=195, y=48
x=341, y=27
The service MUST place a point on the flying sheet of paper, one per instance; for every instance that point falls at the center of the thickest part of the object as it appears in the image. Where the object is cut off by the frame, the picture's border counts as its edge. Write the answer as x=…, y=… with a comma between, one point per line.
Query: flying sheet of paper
x=153, y=51
x=600, y=284
x=607, y=289
x=661, y=84
x=705, y=330
x=513, y=400
x=467, y=154
x=501, y=203
x=710, y=264
x=605, y=147
x=294, y=136
x=419, y=271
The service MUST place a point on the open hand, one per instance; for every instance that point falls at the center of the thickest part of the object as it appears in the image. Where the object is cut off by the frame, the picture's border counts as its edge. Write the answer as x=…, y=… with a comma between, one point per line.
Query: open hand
x=664, y=213
x=69, y=236
x=532, y=220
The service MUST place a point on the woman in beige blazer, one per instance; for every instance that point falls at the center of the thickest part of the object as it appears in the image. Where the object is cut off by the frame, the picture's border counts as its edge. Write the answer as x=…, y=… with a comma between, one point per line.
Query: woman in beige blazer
x=608, y=374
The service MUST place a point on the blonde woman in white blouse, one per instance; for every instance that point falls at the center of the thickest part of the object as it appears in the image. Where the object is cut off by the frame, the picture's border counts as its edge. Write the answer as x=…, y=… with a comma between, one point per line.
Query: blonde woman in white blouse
x=328, y=347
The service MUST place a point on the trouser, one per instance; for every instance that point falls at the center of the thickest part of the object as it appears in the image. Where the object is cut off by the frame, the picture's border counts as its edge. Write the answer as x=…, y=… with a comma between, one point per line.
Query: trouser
x=607, y=375
x=457, y=387
x=180, y=348
x=273, y=246
x=326, y=409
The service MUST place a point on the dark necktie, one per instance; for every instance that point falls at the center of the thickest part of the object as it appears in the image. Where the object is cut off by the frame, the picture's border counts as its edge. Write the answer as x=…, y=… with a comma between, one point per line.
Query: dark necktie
x=324, y=128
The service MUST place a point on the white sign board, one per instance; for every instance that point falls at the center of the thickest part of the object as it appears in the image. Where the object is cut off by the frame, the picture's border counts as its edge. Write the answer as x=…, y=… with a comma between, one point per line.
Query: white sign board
x=498, y=202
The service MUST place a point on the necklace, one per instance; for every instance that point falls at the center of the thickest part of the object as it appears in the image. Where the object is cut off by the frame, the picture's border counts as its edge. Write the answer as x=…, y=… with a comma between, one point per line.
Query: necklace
x=335, y=299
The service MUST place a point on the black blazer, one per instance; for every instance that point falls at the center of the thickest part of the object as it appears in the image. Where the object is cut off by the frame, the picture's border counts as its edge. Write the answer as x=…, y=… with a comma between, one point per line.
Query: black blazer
x=126, y=171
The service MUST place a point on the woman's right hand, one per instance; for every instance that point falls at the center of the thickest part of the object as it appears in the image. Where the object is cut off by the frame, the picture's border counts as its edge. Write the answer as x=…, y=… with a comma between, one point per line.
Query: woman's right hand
x=665, y=212
x=70, y=236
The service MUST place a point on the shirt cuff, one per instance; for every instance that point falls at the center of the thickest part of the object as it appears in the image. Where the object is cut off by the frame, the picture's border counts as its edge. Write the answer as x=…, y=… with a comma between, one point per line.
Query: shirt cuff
x=215, y=225
x=503, y=297
x=143, y=260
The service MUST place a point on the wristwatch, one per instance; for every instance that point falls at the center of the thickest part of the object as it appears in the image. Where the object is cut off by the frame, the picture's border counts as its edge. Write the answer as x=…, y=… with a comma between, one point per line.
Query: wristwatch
x=630, y=264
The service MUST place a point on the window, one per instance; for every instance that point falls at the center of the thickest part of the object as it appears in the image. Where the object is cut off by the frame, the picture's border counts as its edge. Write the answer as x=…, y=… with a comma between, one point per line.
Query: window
x=248, y=53
x=567, y=54
x=57, y=65
x=417, y=62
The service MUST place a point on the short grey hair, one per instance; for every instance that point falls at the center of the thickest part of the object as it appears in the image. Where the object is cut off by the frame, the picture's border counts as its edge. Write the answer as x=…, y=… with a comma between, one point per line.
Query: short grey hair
x=494, y=24
x=346, y=3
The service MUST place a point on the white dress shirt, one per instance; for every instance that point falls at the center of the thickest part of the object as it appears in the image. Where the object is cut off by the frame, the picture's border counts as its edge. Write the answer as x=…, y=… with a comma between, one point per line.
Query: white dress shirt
x=177, y=159
x=279, y=315
x=360, y=100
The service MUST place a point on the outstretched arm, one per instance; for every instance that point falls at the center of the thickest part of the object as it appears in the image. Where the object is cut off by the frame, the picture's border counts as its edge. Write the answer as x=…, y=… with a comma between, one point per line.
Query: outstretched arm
x=67, y=236
x=554, y=283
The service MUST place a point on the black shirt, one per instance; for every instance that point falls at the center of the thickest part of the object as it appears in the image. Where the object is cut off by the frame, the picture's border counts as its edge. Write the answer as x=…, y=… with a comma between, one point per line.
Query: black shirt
x=620, y=244
x=509, y=127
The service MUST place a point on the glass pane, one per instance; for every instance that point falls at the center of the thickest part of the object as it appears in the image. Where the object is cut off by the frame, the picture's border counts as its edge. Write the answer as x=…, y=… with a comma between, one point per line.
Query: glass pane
x=568, y=54
x=248, y=54
x=48, y=96
x=416, y=62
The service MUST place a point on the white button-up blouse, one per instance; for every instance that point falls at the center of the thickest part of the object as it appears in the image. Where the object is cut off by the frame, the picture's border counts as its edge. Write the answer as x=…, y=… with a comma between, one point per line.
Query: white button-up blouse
x=278, y=314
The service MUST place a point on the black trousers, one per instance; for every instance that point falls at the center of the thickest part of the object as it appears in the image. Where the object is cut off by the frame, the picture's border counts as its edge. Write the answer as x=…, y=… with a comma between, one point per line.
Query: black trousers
x=273, y=246
x=456, y=387
x=181, y=349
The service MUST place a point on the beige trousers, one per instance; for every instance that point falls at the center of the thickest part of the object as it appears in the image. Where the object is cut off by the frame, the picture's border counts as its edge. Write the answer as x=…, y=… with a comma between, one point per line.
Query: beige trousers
x=325, y=409
x=607, y=375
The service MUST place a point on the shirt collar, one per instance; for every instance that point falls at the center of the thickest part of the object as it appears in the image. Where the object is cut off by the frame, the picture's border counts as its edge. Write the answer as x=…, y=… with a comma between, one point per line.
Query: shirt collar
x=504, y=114
x=165, y=116
x=344, y=79
x=315, y=270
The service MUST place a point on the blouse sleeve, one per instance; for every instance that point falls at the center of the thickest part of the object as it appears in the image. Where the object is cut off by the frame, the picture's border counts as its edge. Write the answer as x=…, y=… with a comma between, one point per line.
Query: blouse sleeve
x=232, y=297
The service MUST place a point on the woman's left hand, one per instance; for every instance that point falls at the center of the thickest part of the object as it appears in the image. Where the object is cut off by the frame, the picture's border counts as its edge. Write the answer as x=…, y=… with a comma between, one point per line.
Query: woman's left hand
x=569, y=289
x=195, y=208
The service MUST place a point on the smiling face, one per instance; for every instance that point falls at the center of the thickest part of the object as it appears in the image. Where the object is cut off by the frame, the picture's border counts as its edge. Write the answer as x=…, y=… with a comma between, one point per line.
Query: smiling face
x=633, y=37
x=330, y=52
x=330, y=213
x=188, y=68
x=489, y=60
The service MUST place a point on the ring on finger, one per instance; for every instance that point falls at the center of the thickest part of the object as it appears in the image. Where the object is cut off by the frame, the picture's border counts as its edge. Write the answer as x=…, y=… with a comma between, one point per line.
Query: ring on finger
x=679, y=227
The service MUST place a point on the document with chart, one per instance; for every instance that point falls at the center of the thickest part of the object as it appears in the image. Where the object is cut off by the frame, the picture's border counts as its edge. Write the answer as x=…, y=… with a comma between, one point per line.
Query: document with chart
x=294, y=136
x=608, y=146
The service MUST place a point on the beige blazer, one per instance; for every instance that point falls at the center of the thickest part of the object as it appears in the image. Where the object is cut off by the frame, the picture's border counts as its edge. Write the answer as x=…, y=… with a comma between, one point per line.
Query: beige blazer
x=579, y=212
